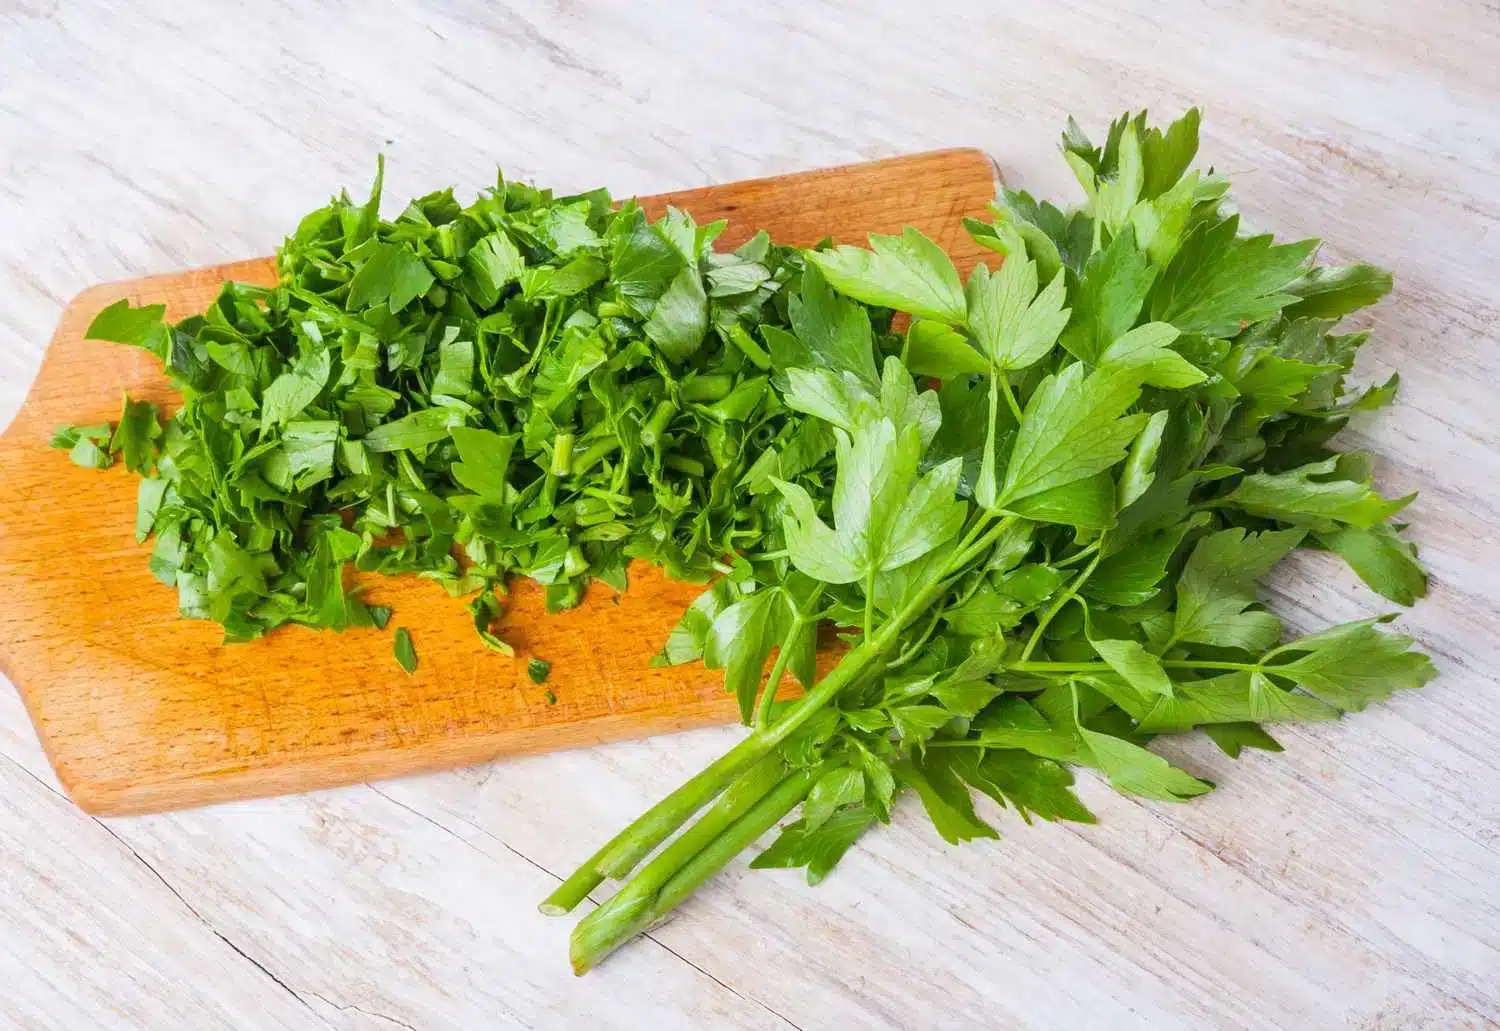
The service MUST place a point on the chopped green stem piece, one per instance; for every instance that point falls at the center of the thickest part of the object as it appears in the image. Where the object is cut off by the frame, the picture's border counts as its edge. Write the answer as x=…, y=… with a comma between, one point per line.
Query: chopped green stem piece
x=707, y=388
x=684, y=464
x=656, y=426
x=595, y=453
x=562, y=455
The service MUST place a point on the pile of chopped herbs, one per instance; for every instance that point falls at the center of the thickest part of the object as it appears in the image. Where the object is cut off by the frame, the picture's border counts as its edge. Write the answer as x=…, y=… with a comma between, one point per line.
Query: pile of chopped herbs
x=1035, y=506
x=534, y=385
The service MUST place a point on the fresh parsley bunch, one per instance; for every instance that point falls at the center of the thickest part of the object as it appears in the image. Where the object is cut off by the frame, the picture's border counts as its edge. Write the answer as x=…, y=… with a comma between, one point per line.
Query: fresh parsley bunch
x=1035, y=505
x=1052, y=556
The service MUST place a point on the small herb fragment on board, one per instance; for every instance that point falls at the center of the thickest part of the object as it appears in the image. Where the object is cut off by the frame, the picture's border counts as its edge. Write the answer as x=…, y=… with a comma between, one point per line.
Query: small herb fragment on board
x=549, y=697
x=406, y=652
x=538, y=670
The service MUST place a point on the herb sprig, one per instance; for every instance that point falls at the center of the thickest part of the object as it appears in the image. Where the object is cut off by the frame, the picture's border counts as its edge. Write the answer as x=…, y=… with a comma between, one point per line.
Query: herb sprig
x=1052, y=556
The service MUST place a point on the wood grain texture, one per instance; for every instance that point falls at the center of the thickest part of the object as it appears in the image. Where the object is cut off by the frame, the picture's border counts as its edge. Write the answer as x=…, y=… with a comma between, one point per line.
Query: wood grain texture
x=1351, y=882
x=142, y=711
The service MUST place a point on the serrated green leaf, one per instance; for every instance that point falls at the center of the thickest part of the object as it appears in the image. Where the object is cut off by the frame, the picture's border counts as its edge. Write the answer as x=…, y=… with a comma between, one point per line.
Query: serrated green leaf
x=494, y=263
x=1217, y=589
x=818, y=850
x=1218, y=283
x=1332, y=293
x=1014, y=325
x=1233, y=738
x=1353, y=664
x=1146, y=352
x=945, y=797
x=679, y=319
x=1137, y=771
x=909, y=273
x=1108, y=296
x=295, y=389
x=1140, y=668
x=933, y=349
x=1317, y=494
x=1073, y=426
x=139, y=327
x=1034, y=786
x=137, y=436
x=392, y=275
x=1382, y=560
x=837, y=788
x=1139, y=471
x=835, y=329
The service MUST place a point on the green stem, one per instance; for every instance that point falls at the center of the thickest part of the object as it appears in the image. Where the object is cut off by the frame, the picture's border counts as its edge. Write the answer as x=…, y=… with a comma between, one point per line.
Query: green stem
x=1057, y=606
x=597, y=936
x=620, y=855
x=979, y=581
x=1079, y=556
x=768, y=696
x=684, y=464
x=562, y=455
x=869, y=627
x=1100, y=667
x=1010, y=396
x=656, y=425
x=987, y=491
x=977, y=528
x=778, y=670
x=969, y=551
x=916, y=646
x=595, y=453
x=711, y=387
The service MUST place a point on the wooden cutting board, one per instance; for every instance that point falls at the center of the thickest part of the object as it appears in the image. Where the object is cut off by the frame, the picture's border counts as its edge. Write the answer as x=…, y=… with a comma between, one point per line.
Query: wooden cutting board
x=140, y=710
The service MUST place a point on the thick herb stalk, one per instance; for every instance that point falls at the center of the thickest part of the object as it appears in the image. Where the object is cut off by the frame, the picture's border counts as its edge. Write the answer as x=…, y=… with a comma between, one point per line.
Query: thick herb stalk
x=1052, y=556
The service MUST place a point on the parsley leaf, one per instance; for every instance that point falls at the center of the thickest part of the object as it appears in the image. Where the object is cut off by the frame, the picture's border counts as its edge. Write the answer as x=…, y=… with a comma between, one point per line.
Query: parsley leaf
x=1322, y=494
x=1073, y=427
x=1382, y=560
x=1354, y=664
x=1219, y=282
x=1217, y=590
x=1015, y=325
x=908, y=272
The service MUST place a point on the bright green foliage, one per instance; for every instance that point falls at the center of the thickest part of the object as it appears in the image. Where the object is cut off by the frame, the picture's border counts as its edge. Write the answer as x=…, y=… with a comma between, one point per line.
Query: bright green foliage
x=1060, y=558
x=527, y=385
x=1038, y=564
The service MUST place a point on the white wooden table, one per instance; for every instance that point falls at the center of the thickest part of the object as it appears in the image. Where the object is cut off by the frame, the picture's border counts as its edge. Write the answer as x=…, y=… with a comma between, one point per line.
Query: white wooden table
x=1352, y=882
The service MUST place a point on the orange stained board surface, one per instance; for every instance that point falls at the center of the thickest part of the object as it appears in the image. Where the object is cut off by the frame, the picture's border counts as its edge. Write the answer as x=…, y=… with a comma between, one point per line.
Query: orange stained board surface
x=140, y=710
